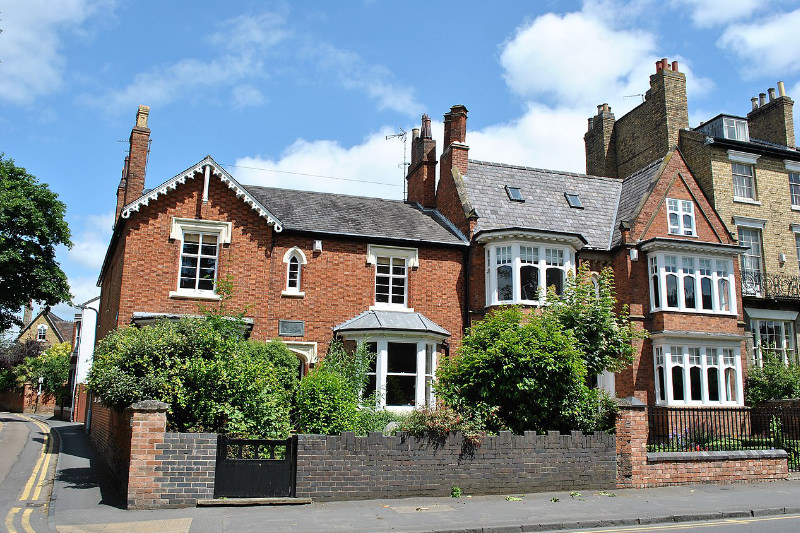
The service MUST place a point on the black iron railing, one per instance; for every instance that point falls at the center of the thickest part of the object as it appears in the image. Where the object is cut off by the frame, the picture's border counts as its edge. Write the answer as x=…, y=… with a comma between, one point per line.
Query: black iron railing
x=687, y=429
x=763, y=285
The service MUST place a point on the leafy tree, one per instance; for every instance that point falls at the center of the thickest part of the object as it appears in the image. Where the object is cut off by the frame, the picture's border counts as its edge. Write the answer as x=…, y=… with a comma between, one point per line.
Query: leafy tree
x=520, y=372
x=31, y=226
x=588, y=309
x=52, y=365
x=213, y=378
x=12, y=355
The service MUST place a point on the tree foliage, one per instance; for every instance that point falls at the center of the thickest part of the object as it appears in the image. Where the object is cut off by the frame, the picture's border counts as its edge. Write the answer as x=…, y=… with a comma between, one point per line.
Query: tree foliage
x=12, y=355
x=772, y=381
x=213, y=379
x=588, y=309
x=31, y=226
x=52, y=366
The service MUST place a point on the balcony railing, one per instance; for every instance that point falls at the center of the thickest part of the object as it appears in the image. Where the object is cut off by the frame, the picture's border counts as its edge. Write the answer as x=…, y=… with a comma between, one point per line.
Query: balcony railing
x=763, y=285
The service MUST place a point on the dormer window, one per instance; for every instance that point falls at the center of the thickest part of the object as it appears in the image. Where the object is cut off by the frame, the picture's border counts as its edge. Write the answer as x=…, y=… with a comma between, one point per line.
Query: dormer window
x=573, y=200
x=736, y=129
x=514, y=194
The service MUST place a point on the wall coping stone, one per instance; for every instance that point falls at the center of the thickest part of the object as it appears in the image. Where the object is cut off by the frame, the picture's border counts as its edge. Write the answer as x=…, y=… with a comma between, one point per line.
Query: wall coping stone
x=732, y=455
x=150, y=405
x=631, y=402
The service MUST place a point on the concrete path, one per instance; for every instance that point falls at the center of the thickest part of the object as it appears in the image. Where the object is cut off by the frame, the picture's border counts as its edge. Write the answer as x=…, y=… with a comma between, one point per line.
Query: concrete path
x=84, y=499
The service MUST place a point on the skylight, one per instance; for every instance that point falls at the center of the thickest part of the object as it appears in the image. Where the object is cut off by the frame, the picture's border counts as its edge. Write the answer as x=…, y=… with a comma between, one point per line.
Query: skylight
x=514, y=194
x=573, y=200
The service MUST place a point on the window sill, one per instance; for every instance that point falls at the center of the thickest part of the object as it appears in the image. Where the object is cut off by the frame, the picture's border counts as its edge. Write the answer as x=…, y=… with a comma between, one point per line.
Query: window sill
x=727, y=314
x=746, y=201
x=391, y=307
x=292, y=294
x=683, y=236
x=796, y=208
x=194, y=295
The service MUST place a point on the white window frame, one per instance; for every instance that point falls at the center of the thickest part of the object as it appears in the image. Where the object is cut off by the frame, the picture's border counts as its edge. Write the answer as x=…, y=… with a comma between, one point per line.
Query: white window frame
x=521, y=254
x=410, y=257
x=681, y=209
x=794, y=189
x=663, y=264
x=41, y=333
x=739, y=127
x=297, y=254
x=683, y=354
x=787, y=336
x=181, y=226
x=423, y=375
x=752, y=261
x=746, y=181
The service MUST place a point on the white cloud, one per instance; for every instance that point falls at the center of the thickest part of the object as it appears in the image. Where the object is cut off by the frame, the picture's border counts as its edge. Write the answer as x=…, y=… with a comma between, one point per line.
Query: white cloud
x=246, y=96
x=767, y=47
x=706, y=14
x=32, y=62
x=89, y=246
x=350, y=71
x=245, y=41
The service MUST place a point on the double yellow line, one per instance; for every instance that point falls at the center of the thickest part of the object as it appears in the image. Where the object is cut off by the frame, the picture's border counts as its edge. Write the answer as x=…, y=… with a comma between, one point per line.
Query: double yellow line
x=33, y=489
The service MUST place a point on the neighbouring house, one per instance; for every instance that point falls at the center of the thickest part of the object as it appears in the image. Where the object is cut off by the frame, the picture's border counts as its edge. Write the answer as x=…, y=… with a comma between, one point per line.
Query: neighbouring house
x=83, y=337
x=410, y=276
x=46, y=327
x=749, y=170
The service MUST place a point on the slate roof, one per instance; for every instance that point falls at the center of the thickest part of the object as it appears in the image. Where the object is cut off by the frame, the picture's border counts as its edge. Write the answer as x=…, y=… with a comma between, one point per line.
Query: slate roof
x=634, y=189
x=63, y=327
x=392, y=321
x=545, y=207
x=358, y=216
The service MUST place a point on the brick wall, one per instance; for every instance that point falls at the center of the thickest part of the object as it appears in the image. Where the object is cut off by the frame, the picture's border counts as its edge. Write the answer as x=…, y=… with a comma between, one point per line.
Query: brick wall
x=347, y=467
x=638, y=469
x=26, y=401
x=110, y=433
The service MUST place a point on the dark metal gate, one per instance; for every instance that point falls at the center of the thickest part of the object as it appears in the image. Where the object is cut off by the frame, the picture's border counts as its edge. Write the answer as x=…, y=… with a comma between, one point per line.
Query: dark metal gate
x=255, y=468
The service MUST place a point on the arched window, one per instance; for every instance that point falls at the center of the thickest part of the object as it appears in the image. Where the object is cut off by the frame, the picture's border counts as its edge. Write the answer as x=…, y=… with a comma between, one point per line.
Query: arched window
x=294, y=259
x=41, y=333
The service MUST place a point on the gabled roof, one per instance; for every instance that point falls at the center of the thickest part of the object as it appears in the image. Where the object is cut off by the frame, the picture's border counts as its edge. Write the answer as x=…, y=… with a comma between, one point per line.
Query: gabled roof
x=635, y=190
x=356, y=216
x=62, y=328
x=544, y=208
x=398, y=321
x=197, y=170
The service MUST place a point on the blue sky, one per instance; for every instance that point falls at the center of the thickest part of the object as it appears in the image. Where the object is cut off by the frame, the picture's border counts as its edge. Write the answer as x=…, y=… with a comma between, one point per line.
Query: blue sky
x=281, y=93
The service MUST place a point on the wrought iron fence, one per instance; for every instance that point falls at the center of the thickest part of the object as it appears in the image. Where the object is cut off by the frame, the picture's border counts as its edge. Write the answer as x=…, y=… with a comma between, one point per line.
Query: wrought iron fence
x=686, y=429
x=764, y=285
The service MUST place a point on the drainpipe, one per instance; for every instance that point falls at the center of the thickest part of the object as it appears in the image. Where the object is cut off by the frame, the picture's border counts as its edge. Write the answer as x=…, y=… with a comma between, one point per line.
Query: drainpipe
x=467, y=265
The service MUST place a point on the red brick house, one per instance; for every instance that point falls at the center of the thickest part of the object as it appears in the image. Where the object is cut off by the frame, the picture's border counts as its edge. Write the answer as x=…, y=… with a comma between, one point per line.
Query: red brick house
x=410, y=276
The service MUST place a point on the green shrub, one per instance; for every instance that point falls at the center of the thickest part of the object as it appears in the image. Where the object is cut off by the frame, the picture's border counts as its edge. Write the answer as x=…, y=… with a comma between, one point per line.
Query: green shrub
x=525, y=370
x=372, y=419
x=773, y=381
x=435, y=424
x=52, y=365
x=213, y=379
x=326, y=405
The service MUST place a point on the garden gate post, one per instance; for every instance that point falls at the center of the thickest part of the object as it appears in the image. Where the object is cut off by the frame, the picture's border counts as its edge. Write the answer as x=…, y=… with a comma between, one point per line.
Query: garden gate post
x=148, y=425
x=631, y=429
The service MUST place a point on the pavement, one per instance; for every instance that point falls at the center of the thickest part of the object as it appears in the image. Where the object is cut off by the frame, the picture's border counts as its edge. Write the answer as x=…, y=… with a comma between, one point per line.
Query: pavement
x=85, y=499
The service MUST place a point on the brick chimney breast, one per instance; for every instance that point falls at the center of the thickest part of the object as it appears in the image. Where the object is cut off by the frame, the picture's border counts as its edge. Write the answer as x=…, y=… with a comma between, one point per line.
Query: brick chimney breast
x=137, y=156
x=422, y=172
x=773, y=120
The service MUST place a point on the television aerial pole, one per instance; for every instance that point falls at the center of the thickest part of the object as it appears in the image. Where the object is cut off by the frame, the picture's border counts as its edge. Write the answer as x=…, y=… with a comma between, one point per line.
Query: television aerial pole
x=404, y=136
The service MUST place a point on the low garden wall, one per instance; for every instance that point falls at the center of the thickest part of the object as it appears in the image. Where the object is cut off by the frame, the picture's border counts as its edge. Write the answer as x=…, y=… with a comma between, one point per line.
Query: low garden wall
x=636, y=468
x=27, y=401
x=347, y=467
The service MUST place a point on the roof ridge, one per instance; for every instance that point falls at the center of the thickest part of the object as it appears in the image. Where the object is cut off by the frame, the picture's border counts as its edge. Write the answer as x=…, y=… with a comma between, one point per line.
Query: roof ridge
x=537, y=169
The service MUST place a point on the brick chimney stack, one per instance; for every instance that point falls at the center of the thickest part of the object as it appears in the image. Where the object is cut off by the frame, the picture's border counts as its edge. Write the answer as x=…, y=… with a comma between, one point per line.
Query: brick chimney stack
x=773, y=120
x=422, y=171
x=27, y=314
x=455, y=152
x=131, y=185
x=600, y=147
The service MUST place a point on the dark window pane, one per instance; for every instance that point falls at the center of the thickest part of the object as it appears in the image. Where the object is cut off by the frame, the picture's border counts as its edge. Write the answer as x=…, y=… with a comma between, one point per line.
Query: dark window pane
x=505, y=286
x=207, y=262
x=677, y=383
x=187, y=283
x=529, y=276
x=672, y=290
x=688, y=293
x=713, y=384
x=705, y=287
x=402, y=358
x=696, y=380
x=370, y=387
x=400, y=390
x=205, y=285
x=661, y=384
x=554, y=277
x=209, y=249
x=656, y=292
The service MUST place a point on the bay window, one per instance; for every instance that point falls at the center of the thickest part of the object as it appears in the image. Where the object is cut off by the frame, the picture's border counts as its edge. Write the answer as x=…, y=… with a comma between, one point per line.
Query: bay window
x=693, y=373
x=775, y=337
x=689, y=283
x=402, y=373
x=521, y=272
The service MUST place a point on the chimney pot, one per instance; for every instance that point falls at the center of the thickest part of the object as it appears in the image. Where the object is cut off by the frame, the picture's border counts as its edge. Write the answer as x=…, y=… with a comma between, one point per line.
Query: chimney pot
x=606, y=108
x=664, y=64
x=415, y=133
x=762, y=99
x=659, y=66
x=599, y=108
x=754, y=101
x=141, y=116
x=771, y=92
x=591, y=124
x=674, y=66
x=781, y=89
